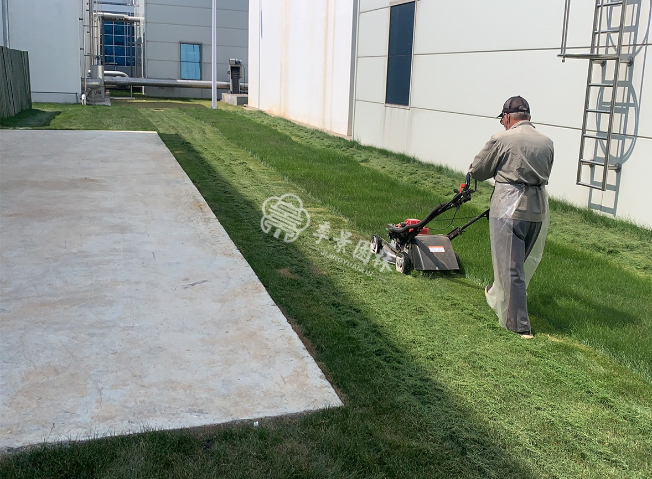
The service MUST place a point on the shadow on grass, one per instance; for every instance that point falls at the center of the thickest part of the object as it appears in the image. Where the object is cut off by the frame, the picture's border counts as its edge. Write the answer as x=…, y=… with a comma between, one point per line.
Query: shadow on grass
x=593, y=298
x=370, y=199
x=32, y=118
x=397, y=422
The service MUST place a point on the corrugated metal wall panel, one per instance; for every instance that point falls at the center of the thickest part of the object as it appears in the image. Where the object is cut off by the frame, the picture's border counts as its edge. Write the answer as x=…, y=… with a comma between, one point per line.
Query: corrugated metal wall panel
x=15, y=91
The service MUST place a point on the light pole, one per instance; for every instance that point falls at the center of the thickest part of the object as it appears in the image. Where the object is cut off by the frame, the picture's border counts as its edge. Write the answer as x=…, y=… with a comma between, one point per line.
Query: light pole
x=214, y=56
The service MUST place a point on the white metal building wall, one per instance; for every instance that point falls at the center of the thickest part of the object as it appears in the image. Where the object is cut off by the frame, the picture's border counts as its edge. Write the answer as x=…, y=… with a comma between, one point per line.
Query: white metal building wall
x=301, y=60
x=50, y=33
x=469, y=56
x=171, y=22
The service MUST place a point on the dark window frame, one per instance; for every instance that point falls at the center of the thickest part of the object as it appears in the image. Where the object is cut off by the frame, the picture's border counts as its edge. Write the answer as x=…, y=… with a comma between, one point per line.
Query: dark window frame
x=398, y=82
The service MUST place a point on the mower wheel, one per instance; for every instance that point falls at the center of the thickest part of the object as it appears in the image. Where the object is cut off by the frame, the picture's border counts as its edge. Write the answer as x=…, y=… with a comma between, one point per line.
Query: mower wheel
x=376, y=245
x=403, y=263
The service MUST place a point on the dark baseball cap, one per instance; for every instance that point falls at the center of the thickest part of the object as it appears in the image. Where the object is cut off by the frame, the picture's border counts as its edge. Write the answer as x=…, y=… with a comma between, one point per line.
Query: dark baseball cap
x=513, y=105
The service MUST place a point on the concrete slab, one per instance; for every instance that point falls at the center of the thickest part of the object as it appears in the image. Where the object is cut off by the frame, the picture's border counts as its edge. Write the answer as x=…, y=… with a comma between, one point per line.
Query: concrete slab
x=124, y=303
x=235, y=99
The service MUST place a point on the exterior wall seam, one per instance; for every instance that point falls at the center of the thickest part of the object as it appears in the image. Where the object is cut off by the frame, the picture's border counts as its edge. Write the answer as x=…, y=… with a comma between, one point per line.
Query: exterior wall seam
x=197, y=26
x=374, y=9
x=202, y=8
x=549, y=125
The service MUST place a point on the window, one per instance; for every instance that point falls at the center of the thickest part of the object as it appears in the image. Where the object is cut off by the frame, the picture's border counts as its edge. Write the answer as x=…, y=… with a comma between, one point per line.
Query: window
x=118, y=44
x=399, y=60
x=190, y=61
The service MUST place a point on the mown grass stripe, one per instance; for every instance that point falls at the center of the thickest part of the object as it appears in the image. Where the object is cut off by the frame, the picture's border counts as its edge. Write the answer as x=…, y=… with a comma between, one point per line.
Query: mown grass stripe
x=595, y=292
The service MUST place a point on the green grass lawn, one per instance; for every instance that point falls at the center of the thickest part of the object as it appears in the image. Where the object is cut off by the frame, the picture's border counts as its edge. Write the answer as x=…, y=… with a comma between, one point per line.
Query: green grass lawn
x=432, y=386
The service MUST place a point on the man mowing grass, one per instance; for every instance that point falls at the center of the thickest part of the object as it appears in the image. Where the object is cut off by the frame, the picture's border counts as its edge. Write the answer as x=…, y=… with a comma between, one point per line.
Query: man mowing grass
x=520, y=160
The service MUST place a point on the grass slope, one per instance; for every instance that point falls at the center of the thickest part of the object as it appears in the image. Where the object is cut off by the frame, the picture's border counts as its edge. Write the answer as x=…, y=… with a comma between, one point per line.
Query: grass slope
x=432, y=386
x=601, y=303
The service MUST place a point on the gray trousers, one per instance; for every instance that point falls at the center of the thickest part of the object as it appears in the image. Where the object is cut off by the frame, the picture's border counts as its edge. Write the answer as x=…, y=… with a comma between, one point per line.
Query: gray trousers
x=512, y=242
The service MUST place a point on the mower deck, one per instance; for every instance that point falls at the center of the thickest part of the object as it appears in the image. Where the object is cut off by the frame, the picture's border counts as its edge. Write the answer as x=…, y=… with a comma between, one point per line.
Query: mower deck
x=411, y=247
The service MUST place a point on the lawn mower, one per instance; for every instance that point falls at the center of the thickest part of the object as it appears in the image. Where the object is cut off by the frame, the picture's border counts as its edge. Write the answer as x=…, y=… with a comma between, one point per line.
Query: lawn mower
x=412, y=246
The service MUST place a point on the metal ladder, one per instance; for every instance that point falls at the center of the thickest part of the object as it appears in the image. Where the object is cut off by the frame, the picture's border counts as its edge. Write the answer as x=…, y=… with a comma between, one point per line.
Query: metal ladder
x=604, y=10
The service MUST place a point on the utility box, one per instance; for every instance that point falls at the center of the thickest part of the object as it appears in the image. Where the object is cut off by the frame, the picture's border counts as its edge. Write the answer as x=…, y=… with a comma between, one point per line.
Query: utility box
x=235, y=74
x=235, y=95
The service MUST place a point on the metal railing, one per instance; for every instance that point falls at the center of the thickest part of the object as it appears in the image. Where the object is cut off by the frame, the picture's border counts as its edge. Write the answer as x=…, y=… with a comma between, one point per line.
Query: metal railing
x=564, y=31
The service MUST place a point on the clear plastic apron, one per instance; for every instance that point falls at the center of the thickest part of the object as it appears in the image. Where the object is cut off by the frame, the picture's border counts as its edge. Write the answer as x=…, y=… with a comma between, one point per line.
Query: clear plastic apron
x=503, y=204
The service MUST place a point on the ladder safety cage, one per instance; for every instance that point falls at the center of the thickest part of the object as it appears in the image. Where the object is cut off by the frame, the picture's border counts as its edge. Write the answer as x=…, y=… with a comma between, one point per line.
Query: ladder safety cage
x=602, y=52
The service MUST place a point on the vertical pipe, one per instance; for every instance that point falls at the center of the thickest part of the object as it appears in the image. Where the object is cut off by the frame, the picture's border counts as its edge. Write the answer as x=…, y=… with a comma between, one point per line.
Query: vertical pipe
x=142, y=23
x=352, y=71
x=86, y=37
x=260, y=36
x=564, y=31
x=91, y=22
x=143, y=44
x=82, y=39
x=214, y=56
x=5, y=24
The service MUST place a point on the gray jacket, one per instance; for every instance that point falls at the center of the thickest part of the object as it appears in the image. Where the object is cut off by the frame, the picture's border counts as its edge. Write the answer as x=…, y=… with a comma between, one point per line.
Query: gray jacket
x=523, y=157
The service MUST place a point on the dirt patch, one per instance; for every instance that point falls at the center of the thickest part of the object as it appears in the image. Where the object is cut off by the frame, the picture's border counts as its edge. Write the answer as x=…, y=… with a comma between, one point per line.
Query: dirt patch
x=285, y=273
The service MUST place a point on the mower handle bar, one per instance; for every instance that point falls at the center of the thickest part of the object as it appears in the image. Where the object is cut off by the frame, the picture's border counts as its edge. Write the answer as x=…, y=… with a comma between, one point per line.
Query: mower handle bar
x=467, y=184
x=462, y=196
x=458, y=231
